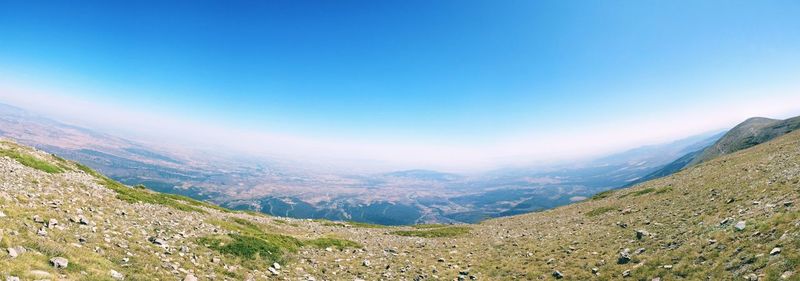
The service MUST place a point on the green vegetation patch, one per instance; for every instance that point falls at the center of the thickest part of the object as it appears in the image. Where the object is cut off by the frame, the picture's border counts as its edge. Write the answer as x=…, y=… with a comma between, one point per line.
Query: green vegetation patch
x=428, y=226
x=643, y=191
x=254, y=250
x=140, y=193
x=31, y=161
x=326, y=242
x=603, y=194
x=601, y=210
x=257, y=248
x=449, y=231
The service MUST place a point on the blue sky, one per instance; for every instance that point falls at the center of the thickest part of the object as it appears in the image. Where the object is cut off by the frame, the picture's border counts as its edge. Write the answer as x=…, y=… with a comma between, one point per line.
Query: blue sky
x=411, y=76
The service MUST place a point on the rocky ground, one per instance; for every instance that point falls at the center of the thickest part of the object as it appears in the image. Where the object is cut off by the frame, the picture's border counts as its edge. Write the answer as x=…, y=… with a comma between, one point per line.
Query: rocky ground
x=732, y=218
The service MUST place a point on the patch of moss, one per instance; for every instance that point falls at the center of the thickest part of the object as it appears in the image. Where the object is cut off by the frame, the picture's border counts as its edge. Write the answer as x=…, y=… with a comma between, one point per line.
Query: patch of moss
x=643, y=191
x=599, y=211
x=449, y=231
x=253, y=250
x=326, y=242
x=603, y=194
x=31, y=161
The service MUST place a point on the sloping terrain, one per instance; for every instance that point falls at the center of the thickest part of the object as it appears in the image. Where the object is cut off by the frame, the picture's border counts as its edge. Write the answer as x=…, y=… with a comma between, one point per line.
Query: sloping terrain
x=730, y=218
x=751, y=132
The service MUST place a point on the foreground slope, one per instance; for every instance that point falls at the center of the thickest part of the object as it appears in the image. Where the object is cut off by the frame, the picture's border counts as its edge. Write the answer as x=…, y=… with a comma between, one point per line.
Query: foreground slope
x=686, y=223
x=679, y=227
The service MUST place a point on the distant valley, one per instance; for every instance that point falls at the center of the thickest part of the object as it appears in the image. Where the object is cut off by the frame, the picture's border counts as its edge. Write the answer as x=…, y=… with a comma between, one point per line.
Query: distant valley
x=391, y=198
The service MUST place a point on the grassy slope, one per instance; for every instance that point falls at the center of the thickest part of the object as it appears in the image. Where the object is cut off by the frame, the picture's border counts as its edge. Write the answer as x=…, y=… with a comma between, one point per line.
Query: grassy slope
x=682, y=212
x=243, y=241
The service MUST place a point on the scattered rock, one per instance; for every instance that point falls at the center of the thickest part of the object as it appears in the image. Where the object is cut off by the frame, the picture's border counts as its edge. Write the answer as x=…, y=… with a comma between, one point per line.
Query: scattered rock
x=190, y=277
x=557, y=274
x=775, y=251
x=366, y=263
x=16, y=251
x=787, y=274
x=52, y=223
x=158, y=241
x=12, y=278
x=626, y=273
x=276, y=266
x=624, y=256
x=273, y=271
x=116, y=275
x=59, y=262
x=740, y=225
x=641, y=234
x=2, y=215
x=751, y=277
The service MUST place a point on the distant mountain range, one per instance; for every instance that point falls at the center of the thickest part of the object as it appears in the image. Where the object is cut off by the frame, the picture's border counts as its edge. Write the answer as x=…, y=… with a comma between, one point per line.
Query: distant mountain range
x=393, y=198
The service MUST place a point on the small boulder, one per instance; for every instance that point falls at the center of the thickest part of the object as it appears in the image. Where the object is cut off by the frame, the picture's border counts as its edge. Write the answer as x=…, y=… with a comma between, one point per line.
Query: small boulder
x=626, y=273
x=641, y=234
x=366, y=263
x=2, y=215
x=59, y=262
x=116, y=275
x=276, y=265
x=624, y=256
x=273, y=271
x=740, y=225
x=557, y=274
x=775, y=251
x=190, y=277
x=12, y=278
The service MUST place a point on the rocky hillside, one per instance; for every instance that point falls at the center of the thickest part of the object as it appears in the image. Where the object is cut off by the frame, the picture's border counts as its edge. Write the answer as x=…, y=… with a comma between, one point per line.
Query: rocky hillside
x=731, y=218
x=751, y=132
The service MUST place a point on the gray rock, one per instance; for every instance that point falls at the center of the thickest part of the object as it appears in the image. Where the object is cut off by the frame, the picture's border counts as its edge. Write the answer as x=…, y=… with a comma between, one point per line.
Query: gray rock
x=190, y=277
x=12, y=253
x=16, y=251
x=2, y=215
x=52, y=223
x=641, y=234
x=12, y=278
x=624, y=256
x=273, y=271
x=557, y=274
x=751, y=277
x=276, y=266
x=626, y=273
x=116, y=275
x=59, y=262
x=366, y=263
x=775, y=251
x=158, y=241
x=740, y=225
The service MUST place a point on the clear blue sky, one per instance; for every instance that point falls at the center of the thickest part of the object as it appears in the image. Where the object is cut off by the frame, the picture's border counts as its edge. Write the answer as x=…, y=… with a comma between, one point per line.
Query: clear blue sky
x=424, y=71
